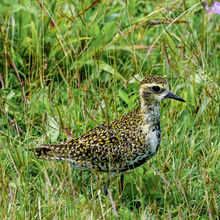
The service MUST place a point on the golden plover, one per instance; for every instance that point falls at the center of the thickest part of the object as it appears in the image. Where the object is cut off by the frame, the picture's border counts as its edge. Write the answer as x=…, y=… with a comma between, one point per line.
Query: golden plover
x=122, y=144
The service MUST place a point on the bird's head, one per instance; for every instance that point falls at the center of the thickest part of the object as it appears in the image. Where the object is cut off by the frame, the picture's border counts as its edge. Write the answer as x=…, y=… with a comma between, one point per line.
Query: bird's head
x=154, y=89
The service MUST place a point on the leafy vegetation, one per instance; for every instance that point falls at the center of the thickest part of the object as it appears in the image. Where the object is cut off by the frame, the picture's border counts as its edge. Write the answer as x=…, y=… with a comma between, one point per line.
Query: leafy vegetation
x=67, y=66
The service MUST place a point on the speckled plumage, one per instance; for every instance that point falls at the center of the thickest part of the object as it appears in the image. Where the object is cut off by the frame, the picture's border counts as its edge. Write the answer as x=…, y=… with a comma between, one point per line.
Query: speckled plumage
x=123, y=143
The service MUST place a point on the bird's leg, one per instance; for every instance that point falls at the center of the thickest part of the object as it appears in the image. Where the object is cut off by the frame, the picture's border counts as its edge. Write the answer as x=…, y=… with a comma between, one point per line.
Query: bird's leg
x=121, y=187
x=107, y=186
x=111, y=175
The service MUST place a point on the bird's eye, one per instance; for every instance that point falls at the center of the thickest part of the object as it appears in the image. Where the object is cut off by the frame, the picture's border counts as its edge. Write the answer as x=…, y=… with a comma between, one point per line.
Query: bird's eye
x=156, y=88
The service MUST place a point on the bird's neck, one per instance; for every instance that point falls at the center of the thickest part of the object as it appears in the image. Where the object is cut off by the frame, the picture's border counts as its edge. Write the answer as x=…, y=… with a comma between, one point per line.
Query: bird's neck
x=150, y=112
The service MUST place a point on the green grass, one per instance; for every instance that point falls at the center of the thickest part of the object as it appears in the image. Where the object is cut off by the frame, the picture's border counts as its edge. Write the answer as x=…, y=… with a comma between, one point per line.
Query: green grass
x=66, y=67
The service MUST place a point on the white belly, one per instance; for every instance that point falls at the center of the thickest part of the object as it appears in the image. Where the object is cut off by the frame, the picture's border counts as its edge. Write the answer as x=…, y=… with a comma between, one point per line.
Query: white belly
x=153, y=141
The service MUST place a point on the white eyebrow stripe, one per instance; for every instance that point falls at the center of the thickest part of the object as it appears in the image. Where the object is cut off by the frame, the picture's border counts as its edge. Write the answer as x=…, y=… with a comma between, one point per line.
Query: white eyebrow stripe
x=153, y=84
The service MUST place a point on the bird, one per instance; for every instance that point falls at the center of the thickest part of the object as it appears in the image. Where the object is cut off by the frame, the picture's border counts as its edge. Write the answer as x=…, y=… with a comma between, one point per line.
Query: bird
x=122, y=144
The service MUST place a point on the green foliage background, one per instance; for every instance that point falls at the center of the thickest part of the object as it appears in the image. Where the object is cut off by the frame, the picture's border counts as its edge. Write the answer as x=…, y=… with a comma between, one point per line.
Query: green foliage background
x=67, y=66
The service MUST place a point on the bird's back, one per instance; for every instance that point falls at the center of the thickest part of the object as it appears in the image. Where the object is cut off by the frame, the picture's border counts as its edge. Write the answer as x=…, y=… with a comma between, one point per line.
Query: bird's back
x=116, y=146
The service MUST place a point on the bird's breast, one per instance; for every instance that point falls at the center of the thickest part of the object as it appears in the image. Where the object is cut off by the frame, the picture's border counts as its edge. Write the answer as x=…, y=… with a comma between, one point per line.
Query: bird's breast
x=153, y=140
x=152, y=137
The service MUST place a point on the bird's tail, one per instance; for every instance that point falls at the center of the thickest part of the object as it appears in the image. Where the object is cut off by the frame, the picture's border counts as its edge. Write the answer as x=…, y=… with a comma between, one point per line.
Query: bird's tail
x=51, y=151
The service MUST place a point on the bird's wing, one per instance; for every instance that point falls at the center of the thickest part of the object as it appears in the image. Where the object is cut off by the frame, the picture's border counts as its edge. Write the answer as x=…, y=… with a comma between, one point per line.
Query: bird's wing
x=113, y=143
x=83, y=147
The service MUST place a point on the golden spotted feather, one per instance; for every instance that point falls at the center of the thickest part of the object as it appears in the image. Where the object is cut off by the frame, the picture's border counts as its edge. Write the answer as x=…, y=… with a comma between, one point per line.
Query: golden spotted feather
x=123, y=143
x=116, y=147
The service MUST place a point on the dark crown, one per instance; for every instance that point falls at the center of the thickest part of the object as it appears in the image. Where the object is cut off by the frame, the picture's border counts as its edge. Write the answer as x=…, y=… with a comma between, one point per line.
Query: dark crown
x=154, y=79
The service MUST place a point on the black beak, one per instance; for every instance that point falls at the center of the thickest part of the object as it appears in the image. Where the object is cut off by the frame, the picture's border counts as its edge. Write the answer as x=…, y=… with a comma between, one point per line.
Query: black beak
x=173, y=96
